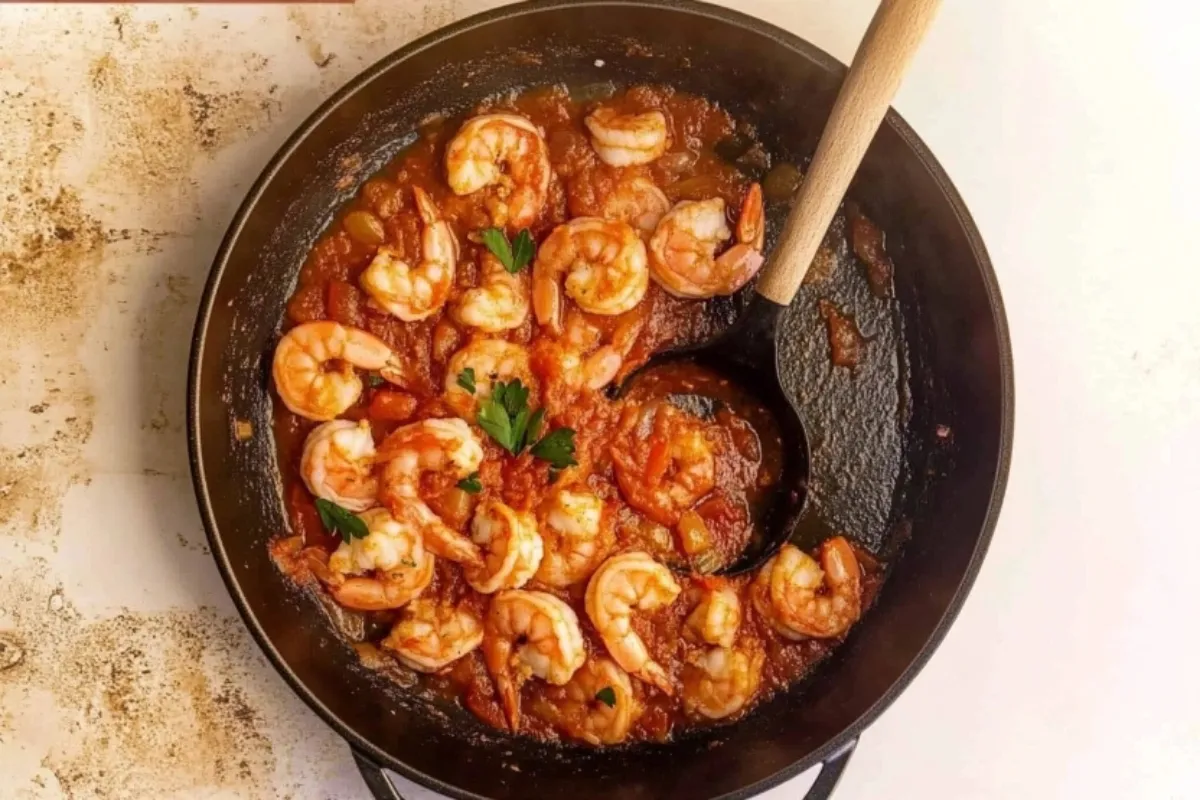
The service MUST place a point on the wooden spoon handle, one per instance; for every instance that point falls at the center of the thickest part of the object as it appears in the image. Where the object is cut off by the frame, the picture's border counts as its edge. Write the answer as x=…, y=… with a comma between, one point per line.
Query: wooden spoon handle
x=883, y=56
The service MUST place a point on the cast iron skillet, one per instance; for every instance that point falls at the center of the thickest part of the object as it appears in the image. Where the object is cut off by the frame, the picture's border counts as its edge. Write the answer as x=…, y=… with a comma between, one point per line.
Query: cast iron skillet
x=955, y=398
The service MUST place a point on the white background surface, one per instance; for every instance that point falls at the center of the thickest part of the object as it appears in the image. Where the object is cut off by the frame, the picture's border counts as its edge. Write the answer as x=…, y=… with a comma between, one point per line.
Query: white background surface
x=1071, y=130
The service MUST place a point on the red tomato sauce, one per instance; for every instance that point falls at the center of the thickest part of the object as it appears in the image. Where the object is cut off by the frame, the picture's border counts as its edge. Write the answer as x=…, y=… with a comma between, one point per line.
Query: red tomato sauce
x=696, y=537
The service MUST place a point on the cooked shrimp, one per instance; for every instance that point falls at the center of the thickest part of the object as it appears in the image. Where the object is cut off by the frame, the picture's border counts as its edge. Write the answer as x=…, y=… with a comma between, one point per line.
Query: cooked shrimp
x=431, y=445
x=392, y=552
x=440, y=538
x=490, y=361
x=431, y=636
x=575, y=536
x=623, y=584
x=415, y=292
x=581, y=708
x=719, y=682
x=717, y=615
x=499, y=303
x=314, y=367
x=337, y=463
x=605, y=264
x=507, y=153
x=581, y=358
x=530, y=634
x=803, y=599
x=683, y=248
x=622, y=140
x=637, y=201
x=511, y=546
x=663, y=461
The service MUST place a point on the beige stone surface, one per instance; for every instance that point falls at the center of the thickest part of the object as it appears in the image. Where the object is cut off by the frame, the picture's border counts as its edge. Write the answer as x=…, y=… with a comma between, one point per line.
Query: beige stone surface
x=129, y=134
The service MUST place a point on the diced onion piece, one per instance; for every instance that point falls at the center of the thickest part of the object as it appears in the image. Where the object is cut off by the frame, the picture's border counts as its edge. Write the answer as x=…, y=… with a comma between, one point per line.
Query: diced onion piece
x=656, y=537
x=697, y=187
x=707, y=562
x=365, y=228
x=693, y=534
x=781, y=182
x=455, y=506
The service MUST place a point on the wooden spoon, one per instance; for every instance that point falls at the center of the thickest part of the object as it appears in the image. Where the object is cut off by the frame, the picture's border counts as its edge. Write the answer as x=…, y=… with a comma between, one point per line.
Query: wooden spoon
x=747, y=351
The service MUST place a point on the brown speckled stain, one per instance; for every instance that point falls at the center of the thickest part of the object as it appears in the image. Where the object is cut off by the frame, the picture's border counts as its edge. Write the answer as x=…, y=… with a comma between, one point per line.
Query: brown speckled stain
x=50, y=253
x=158, y=702
x=167, y=116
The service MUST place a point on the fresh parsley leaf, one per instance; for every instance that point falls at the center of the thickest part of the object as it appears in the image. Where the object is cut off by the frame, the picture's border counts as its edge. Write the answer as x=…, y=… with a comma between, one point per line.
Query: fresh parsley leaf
x=507, y=418
x=495, y=241
x=515, y=397
x=471, y=484
x=513, y=255
x=557, y=447
x=522, y=251
x=340, y=520
x=520, y=422
x=607, y=696
x=466, y=379
x=493, y=418
x=534, y=428
x=374, y=381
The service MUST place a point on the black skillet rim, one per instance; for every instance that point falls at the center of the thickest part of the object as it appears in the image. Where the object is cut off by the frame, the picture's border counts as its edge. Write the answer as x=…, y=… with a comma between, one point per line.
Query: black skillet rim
x=837, y=743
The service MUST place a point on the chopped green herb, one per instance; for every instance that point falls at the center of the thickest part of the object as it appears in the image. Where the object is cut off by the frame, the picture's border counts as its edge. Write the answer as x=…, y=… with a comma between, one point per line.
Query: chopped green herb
x=493, y=417
x=374, y=381
x=523, y=250
x=471, y=484
x=515, y=255
x=466, y=379
x=506, y=417
x=520, y=424
x=514, y=395
x=607, y=696
x=408, y=562
x=557, y=447
x=534, y=429
x=340, y=520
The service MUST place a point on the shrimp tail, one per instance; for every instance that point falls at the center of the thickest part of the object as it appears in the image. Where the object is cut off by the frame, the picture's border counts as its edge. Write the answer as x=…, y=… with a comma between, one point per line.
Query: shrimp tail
x=364, y=594
x=425, y=206
x=751, y=226
x=317, y=561
x=601, y=367
x=655, y=675
x=496, y=655
x=547, y=300
x=741, y=262
x=439, y=538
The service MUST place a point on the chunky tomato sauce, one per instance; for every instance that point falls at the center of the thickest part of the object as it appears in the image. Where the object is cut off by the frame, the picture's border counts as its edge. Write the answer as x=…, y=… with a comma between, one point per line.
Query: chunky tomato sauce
x=640, y=433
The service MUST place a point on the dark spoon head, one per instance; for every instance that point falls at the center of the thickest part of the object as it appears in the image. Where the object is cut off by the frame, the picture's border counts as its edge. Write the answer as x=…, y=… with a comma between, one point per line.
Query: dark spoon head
x=745, y=355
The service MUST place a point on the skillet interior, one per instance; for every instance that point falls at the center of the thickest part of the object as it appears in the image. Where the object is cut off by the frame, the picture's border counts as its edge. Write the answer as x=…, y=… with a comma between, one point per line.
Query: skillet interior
x=957, y=375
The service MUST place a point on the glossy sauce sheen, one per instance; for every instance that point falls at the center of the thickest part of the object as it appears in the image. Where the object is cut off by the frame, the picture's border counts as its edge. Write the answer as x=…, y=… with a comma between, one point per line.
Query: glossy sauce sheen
x=746, y=443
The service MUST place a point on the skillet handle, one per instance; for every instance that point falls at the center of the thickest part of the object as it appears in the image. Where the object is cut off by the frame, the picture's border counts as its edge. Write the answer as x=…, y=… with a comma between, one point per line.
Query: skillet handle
x=382, y=788
x=831, y=773
x=380, y=785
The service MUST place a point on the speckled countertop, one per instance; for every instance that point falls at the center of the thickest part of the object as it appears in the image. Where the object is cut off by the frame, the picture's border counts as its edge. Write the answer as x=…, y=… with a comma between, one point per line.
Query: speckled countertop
x=128, y=135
